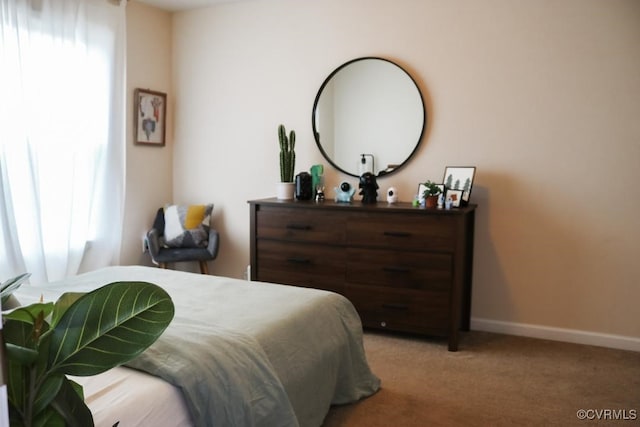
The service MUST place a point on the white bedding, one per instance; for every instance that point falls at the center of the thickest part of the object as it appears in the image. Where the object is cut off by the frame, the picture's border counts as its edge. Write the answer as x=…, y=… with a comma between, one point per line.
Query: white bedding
x=306, y=343
x=133, y=398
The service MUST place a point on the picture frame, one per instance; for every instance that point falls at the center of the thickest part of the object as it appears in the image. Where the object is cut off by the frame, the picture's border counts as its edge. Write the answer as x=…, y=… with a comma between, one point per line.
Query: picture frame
x=422, y=187
x=456, y=197
x=460, y=178
x=150, y=109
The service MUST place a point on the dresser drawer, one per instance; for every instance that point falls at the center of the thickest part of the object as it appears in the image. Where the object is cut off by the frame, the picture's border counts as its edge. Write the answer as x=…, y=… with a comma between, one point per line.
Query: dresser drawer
x=410, y=232
x=299, y=264
x=401, y=310
x=400, y=269
x=300, y=225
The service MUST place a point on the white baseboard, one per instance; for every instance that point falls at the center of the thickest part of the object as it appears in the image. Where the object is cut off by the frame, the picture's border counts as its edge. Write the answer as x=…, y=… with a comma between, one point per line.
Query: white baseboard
x=557, y=334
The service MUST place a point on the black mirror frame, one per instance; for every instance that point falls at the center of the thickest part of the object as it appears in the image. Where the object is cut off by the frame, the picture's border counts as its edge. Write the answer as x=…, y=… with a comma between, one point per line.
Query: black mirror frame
x=317, y=99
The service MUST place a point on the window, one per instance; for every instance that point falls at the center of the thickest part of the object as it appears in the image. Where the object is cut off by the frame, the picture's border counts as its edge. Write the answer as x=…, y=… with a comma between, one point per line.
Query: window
x=61, y=133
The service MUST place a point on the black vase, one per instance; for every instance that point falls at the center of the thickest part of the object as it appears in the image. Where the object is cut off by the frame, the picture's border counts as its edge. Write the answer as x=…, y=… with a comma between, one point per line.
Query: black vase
x=303, y=186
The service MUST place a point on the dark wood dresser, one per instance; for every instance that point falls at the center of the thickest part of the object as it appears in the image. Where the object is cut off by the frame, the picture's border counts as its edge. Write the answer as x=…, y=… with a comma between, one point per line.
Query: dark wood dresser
x=404, y=268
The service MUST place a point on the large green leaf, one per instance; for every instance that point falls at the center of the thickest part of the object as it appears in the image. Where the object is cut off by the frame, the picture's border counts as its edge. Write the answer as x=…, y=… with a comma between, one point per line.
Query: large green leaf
x=47, y=391
x=50, y=418
x=109, y=326
x=70, y=405
x=26, y=360
x=17, y=389
x=23, y=329
x=65, y=301
x=20, y=355
x=30, y=313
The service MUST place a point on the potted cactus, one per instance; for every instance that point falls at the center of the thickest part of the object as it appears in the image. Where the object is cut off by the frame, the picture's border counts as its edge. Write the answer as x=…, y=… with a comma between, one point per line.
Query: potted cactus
x=286, y=185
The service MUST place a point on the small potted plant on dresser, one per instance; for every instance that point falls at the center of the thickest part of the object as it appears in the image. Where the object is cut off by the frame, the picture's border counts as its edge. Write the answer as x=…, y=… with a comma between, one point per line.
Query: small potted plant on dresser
x=430, y=194
x=286, y=186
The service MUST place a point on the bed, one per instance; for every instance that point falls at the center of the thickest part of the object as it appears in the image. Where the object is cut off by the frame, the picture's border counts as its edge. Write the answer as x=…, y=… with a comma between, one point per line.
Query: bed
x=237, y=353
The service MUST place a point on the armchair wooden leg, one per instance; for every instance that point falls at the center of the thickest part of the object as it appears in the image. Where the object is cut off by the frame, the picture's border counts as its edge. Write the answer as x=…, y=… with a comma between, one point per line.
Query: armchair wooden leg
x=204, y=268
x=162, y=265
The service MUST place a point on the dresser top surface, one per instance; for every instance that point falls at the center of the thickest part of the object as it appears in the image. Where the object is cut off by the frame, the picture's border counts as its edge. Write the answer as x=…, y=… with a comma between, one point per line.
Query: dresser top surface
x=358, y=206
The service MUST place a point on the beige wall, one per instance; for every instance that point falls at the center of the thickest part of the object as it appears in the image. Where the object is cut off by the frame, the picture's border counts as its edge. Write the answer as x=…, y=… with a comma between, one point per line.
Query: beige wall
x=149, y=169
x=542, y=96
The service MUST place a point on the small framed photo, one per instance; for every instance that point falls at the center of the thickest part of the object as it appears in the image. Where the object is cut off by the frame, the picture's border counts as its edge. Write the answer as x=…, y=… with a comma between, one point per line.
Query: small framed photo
x=422, y=187
x=455, y=196
x=150, y=117
x=460, y=178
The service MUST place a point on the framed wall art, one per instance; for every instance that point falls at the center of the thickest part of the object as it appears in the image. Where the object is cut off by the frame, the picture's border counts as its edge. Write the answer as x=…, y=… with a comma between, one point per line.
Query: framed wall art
x=460, y=178
x=455, y=196
x=150, y=117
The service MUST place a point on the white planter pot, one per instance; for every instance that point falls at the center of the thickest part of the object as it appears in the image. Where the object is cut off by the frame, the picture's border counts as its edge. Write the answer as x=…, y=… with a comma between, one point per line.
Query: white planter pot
x=285, y=190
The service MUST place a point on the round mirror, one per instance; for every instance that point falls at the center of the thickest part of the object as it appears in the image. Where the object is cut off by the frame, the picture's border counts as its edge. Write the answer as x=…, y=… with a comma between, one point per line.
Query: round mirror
x=368, y=116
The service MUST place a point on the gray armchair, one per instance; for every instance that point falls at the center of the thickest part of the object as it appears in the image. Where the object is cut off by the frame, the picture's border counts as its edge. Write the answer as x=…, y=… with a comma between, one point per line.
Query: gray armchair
x=161, y=255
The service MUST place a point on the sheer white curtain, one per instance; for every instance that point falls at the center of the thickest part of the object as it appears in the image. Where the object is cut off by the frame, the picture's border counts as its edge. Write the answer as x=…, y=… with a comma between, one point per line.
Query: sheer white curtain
x=62, y=68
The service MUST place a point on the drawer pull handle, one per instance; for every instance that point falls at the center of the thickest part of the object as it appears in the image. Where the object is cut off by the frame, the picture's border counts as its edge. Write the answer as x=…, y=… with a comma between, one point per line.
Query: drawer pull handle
x=298, y=227
x=396, y=269
x=397, y=234
x=299, y=260
x=396, y=306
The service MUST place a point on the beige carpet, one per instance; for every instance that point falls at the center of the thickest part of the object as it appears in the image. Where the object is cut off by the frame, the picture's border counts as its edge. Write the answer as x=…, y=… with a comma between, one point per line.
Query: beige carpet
x=494, y=380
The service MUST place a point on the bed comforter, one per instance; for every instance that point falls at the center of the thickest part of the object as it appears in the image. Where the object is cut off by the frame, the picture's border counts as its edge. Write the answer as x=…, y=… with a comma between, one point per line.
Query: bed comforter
x=246, y=353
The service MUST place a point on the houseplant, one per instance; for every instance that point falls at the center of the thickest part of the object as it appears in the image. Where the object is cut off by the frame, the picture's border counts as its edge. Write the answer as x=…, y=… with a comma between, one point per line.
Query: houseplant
x=286, y=185
x=431, y=193
x=82, y=335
